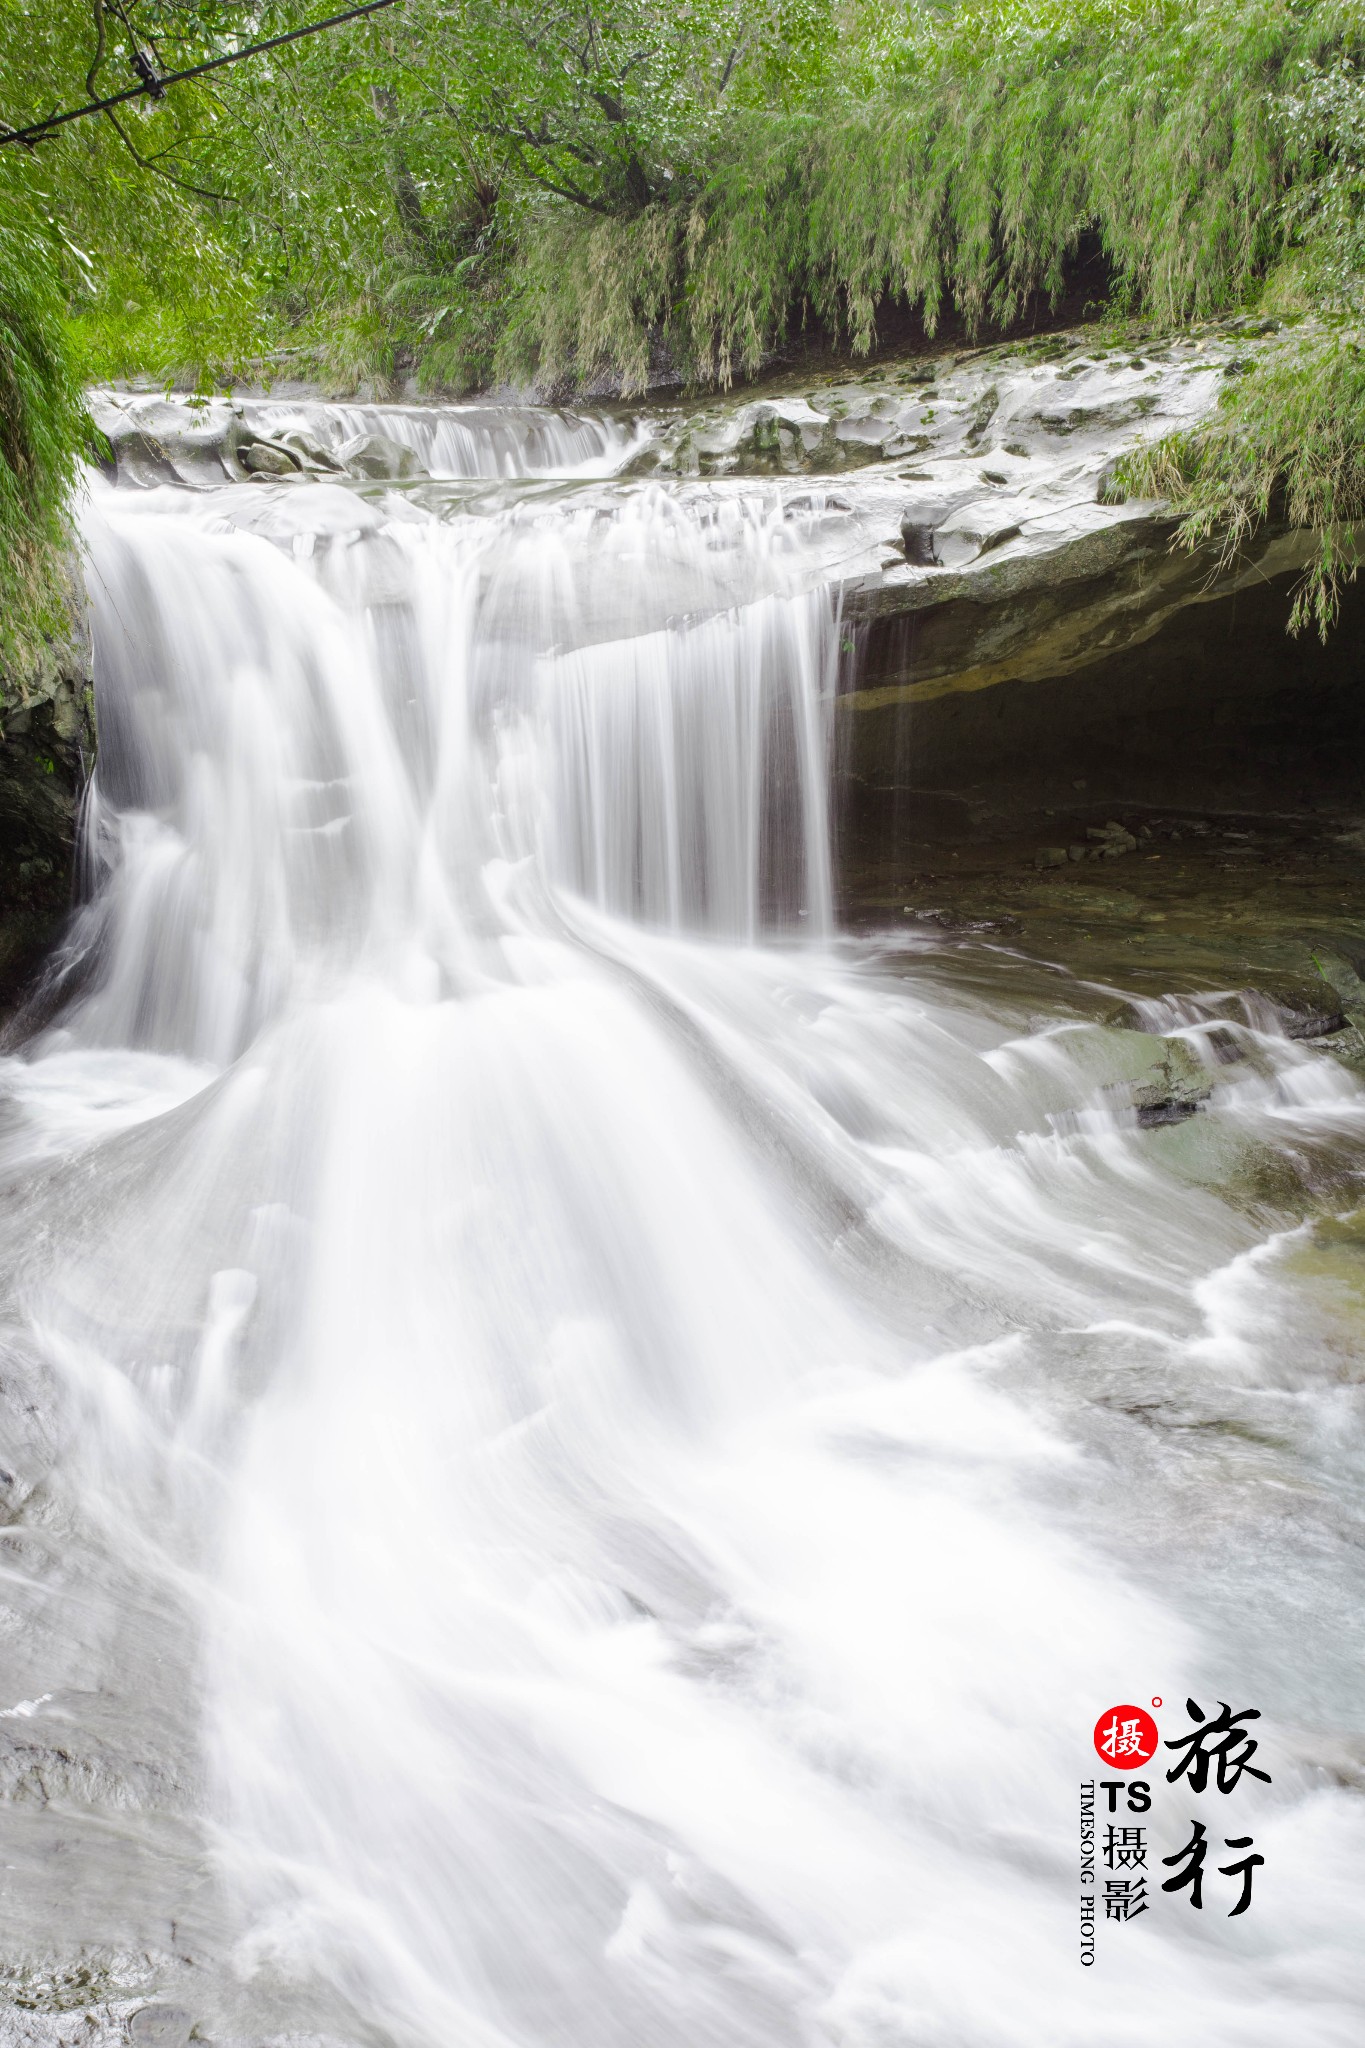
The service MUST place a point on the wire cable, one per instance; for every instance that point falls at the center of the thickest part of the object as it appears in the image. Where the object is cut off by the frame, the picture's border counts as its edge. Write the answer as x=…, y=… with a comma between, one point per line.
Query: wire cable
x=156, y=85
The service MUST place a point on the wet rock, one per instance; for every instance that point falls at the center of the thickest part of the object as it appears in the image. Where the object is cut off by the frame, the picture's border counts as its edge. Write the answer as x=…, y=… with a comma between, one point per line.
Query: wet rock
x=1107, y=419
x=1121, y=1016
x=1059, y=409
x=1346, y=1230
x=918, y=541
x=957, y=547
x=868, y=432
x=1110, y=840
x=1154, y=1111
x=1300, y=1010
x=1342, y=977
x=1304, y=1010
x=1050, y=857
x=376, y=456
x=982, y=413
x=778, y=436
x=311, y=453
x=47, y=747
x=1163, y=1080
x=1307, y=1012
x=263, y=458
x=161, y=441
x=161, y=2026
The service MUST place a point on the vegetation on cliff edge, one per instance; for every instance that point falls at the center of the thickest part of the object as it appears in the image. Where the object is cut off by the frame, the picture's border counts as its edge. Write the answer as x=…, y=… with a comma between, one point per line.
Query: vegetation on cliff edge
x=460, y=191
x=41, y=423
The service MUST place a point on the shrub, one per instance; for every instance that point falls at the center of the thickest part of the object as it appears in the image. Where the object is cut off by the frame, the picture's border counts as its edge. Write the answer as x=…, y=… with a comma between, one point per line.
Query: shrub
x=42, y=427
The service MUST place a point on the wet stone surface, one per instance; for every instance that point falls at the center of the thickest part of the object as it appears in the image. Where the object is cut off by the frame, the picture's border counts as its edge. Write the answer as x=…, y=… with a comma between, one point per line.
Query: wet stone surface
x=1237, y=910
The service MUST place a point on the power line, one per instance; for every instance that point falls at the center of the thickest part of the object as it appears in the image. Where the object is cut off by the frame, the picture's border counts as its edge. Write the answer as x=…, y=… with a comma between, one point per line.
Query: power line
x=156, y=86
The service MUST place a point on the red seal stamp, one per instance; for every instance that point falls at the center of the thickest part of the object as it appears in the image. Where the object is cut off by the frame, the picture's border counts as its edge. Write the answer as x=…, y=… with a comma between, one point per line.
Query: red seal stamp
x=1126, y=1737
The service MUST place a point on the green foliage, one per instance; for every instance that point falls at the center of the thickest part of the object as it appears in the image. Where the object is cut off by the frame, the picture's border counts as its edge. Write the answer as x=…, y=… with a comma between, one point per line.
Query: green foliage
x=961, y=166
x=1289, y=438
x=1289, y=441
x=115, y=255
x=553, y=190
x=1325, y=125
x=42, y=425
x=458, y=190
x=616, y=108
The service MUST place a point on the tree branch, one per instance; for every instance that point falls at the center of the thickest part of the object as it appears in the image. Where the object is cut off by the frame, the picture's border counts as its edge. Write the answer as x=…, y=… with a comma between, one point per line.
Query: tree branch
x=730, y=64
x=147, y=163
x=93, y=73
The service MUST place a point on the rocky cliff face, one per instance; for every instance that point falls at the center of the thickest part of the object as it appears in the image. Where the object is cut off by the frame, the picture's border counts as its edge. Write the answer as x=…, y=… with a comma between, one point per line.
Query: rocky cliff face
x=47, y=746
x=1022, y=641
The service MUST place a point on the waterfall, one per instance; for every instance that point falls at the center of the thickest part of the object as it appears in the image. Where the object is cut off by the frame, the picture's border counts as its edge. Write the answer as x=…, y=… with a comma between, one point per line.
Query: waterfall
x=328, y=747
x=463, y=440
x=565, y=1508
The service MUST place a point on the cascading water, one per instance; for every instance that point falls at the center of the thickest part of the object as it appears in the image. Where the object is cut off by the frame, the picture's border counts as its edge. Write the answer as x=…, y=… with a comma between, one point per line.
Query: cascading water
x=572, y=1491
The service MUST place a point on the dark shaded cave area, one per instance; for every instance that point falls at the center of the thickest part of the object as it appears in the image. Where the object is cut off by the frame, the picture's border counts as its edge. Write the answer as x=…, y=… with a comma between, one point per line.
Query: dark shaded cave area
x=1086, y=296
x=1219, y=716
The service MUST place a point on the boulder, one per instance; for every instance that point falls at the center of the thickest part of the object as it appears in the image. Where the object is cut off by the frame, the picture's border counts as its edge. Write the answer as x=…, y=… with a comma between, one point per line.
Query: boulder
x=377, y=456
x=310, y=452
x=168, y=441
x=161, y=2026
x=1110, y=841
x=265, y=458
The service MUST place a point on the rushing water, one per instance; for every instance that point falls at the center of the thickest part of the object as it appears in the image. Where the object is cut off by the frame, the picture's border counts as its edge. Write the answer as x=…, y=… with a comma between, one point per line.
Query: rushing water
x=585, y=1451
x=462, y=440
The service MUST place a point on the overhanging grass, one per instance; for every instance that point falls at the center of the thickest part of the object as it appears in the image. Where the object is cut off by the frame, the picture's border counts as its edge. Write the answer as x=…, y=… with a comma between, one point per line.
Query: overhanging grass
x=1287, y=441
x=948, y=160
x=42, y=427
x=961, y=169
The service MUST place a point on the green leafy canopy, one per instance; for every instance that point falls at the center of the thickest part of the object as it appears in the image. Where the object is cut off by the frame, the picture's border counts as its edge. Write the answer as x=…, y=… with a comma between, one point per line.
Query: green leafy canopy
x=461, y=191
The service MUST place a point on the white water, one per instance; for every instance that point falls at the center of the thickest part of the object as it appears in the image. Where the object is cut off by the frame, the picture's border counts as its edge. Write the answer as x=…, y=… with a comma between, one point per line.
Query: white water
x=161, y=439
x=581, y=1489
x=464, y=440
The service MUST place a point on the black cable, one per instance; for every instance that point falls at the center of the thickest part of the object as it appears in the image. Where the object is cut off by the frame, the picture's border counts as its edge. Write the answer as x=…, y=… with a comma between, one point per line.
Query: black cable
x=156, y=86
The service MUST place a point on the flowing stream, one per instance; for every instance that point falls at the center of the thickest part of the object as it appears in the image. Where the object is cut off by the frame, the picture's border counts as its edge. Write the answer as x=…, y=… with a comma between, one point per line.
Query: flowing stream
x=586, y=1450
